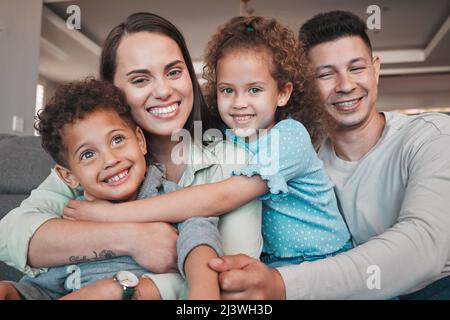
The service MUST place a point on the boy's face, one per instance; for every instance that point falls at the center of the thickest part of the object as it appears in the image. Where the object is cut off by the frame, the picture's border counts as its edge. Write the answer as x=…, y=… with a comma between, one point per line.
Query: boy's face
x=105, y=156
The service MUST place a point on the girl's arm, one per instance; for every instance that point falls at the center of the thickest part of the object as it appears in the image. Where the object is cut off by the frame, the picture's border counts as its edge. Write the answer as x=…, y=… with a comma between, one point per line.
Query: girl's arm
x=212, y=199
x=203, y=281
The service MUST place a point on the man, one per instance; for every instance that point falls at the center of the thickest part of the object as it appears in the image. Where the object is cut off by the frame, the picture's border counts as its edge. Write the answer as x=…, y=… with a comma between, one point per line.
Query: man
x=392, y=179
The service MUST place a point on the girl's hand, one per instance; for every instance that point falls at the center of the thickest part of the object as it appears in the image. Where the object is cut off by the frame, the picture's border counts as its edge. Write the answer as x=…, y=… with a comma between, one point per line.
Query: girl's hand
x=95, y=210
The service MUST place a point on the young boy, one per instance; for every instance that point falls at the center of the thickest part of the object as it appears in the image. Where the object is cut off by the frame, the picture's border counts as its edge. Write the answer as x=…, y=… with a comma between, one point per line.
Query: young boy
x=100, y=153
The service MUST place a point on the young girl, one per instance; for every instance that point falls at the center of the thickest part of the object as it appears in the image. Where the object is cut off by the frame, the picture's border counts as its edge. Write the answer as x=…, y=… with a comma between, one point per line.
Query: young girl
x=256, y=77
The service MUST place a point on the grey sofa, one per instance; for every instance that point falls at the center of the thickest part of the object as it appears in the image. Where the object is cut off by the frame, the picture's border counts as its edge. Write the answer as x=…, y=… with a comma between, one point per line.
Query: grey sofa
x=23, y=166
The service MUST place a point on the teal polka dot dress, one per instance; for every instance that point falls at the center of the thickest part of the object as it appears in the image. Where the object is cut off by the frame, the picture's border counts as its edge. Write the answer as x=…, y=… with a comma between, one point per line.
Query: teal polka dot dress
x=301, y=218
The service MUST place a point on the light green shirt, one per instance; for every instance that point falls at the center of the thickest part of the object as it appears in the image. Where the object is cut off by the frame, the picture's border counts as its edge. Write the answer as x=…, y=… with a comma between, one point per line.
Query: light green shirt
x=240, y=229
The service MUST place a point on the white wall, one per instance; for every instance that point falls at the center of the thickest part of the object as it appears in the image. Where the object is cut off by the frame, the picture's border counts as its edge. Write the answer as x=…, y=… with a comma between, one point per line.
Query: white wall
x=20, y=24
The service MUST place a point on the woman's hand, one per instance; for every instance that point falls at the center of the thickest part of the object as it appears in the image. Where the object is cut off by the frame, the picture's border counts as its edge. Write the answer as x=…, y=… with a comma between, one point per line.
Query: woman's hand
x=95, y=210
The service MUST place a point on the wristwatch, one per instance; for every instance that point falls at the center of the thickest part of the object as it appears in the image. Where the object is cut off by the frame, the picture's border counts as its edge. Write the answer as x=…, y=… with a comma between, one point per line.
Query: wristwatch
x=128, y=281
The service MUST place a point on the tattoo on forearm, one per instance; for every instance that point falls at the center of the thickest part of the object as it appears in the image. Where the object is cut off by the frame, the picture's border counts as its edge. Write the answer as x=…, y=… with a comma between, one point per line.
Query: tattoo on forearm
x=102, y=255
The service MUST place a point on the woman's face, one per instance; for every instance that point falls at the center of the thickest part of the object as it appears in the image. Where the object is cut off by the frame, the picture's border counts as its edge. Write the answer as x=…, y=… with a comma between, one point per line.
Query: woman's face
x=153, y=74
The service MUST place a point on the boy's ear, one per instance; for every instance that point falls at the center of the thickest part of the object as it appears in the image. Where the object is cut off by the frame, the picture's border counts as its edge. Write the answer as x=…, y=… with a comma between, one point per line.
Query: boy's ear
x=66, y=176
x=141, y=140
x=285, y=94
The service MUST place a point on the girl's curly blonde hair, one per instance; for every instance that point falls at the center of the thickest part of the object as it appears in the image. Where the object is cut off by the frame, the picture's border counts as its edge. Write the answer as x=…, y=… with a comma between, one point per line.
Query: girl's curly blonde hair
x=289, y=63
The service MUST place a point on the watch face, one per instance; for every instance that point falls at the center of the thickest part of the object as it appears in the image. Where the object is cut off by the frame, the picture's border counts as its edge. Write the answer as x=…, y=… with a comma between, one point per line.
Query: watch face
x=127, y=279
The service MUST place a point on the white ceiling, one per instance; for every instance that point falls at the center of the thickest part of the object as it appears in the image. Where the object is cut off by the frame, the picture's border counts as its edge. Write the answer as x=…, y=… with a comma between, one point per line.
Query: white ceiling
x=414, y=37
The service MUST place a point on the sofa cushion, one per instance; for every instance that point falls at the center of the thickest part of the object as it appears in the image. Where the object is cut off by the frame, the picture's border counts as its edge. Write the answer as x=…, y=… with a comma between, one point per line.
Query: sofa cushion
x=24, y=164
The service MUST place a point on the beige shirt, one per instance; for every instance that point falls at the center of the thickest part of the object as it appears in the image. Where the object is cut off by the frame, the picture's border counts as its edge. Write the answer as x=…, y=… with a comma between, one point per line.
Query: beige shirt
x=396, y=202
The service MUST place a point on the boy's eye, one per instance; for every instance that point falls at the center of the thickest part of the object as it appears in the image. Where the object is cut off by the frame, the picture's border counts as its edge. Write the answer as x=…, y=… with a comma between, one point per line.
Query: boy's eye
x=86, y=155
x=254, y=90
x=117, y=140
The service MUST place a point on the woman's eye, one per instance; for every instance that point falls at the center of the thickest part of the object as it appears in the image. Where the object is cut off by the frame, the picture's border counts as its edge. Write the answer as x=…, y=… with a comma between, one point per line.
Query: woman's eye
x=174, y=74
x=117, y=140
x=138, y=81
x=86, y=155
x=254, y=90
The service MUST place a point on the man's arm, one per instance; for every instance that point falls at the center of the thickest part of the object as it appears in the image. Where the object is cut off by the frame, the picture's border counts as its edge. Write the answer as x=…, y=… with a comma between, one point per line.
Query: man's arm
x=406, y=257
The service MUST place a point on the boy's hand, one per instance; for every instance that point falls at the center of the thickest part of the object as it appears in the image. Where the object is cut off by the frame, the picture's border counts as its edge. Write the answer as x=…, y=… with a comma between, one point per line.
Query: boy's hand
x=96, y=210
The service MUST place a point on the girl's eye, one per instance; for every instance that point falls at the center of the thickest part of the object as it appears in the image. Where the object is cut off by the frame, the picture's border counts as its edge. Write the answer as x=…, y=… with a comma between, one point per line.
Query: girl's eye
x=117, y=140
x=86, y=155
x=226, y=90
x=254, y=90
x=174, y=74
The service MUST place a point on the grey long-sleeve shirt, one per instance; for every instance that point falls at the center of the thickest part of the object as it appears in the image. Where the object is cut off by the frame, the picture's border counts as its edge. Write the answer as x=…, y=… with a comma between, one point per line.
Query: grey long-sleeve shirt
x=192, y=232
x=396, y=202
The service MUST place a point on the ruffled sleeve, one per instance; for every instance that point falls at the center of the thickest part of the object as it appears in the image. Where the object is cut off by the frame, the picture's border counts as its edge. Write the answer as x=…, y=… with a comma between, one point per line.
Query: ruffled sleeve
x=283, y=154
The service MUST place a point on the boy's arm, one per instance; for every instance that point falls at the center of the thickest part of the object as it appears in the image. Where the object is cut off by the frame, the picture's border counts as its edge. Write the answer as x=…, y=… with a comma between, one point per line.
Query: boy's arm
x=203, y=281
x=222, y=197
x=109, y=289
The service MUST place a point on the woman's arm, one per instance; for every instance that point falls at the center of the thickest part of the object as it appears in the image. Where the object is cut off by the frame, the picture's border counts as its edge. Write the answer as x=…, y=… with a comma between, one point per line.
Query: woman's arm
x=61, y=242
x=204, y=200
x=32, y=235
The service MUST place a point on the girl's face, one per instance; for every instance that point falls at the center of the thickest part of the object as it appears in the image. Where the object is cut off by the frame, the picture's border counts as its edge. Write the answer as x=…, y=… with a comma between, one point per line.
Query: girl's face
x=153, y=74
x=247, y=94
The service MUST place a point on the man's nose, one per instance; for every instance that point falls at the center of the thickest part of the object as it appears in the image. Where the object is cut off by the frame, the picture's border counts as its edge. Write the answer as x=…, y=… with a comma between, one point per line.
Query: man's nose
x=345, y=83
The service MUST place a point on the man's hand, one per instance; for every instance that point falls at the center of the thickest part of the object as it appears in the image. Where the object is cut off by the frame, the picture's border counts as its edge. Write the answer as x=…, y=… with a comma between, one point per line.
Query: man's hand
x=242, y=277
x=94, y=210
x=154, y=246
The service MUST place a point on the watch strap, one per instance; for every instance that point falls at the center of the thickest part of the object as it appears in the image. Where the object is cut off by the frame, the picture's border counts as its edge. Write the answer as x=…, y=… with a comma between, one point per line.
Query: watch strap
x=127, y=293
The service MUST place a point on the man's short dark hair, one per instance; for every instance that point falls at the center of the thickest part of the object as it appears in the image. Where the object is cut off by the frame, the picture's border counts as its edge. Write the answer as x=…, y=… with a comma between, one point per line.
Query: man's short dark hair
x=74, y=101
x=332, y=25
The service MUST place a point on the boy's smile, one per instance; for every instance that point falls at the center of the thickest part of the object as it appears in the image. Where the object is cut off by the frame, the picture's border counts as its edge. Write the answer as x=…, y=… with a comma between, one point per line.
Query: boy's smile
x=105, y=156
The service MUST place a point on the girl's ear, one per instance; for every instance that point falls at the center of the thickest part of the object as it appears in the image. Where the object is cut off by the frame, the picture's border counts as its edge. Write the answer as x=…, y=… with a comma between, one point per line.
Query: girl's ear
x=141, y=140
x=285, y=93
x=66, y=176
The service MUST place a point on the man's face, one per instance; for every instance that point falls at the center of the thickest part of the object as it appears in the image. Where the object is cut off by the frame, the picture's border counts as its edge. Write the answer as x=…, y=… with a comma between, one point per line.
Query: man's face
x=347, y=77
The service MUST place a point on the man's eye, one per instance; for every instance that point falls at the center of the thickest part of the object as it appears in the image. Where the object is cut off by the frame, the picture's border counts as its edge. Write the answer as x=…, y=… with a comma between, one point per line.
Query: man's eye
x=356, y=69
x=324, y=76
x=86, y=155
x=117, y=140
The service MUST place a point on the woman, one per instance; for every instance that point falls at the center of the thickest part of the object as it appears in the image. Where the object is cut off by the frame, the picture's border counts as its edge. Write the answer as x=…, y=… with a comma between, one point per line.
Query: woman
x=147, y=58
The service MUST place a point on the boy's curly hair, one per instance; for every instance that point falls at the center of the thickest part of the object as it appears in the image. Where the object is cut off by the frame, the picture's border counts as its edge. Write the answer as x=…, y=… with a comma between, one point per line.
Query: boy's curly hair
x=74, y=101
x=289, y=63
